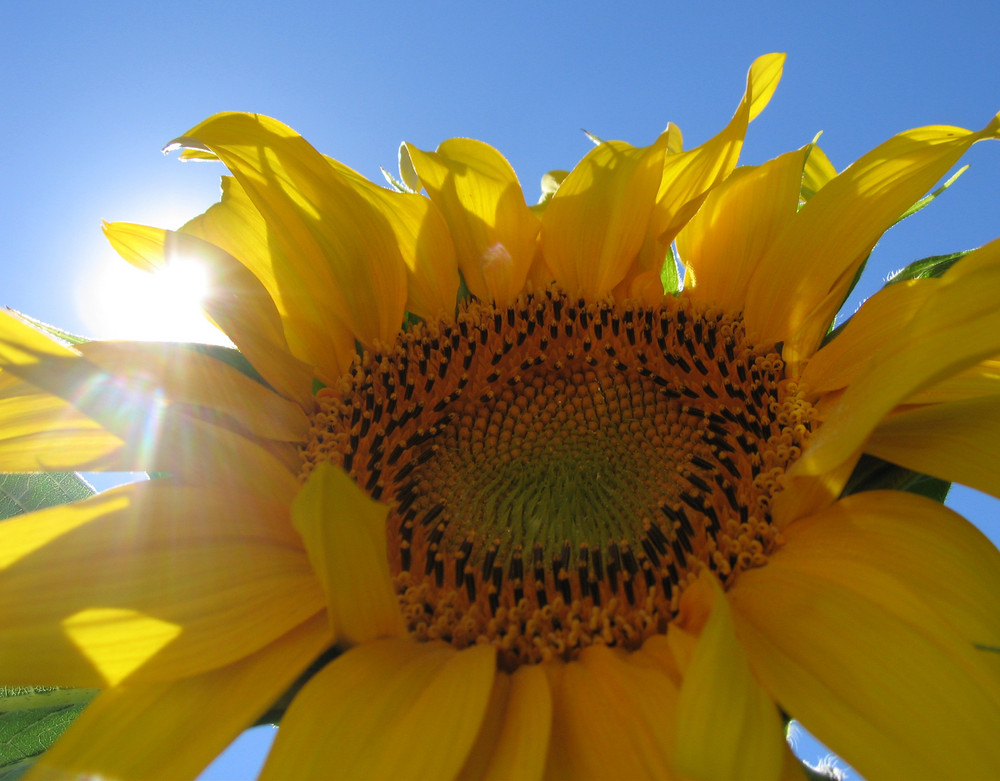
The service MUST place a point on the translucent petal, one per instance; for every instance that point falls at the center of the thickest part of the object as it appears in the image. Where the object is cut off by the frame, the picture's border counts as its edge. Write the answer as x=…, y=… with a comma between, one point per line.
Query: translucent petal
x=837, y=228
x=340, y=242
x=481, y=199
x=132, y=731
x=153, y=581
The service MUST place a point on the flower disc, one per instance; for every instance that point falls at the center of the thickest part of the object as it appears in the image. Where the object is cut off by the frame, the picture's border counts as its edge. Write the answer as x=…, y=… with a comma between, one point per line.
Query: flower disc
x=559, y=470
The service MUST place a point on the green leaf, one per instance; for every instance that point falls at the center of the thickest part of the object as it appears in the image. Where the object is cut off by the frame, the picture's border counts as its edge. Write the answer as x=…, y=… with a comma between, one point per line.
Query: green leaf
x=874, y=474
x=30, y=721
x=229, y=355
x=24, y=493
x=934, y=266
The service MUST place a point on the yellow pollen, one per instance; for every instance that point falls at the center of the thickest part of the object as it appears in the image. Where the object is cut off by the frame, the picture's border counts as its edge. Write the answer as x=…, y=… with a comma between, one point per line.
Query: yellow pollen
x=559, y=470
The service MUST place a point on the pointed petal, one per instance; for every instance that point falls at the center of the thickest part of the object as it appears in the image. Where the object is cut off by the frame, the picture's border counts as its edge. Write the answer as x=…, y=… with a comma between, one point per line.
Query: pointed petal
x=513, y=740
x=236, y=301
x=131, y=732
x=727, y=725
x=958, y=327
x=597, y=221
x=315, y=334
x=478, y=193
x=345, y=537
x=864, y=614
x=153, y=581
x=688, y=176
x=392, y=708
x=610, y=716
x=837, y=228
x=880, y=321
x=340, y=242
x=724, y=242
x=958, y=441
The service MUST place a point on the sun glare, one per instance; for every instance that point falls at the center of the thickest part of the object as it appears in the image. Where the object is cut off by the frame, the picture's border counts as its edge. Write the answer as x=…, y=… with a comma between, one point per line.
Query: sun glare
x=120, y=301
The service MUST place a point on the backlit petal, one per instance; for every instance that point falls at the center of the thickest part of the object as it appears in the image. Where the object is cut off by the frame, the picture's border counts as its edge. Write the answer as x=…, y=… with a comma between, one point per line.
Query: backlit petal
x=153, y=581
x=391, y=708
x=958, y=327
x=688, y=176
x=344, y=534
x=236, y=300
x=478, y=192
x=596, y=223
x=341, y=244
x=723, y=243
x=837, y=228
x=315, y=334
x=130, y=732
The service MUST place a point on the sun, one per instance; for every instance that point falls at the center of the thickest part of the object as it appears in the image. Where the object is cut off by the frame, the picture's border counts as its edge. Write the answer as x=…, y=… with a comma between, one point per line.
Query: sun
x=118, y=301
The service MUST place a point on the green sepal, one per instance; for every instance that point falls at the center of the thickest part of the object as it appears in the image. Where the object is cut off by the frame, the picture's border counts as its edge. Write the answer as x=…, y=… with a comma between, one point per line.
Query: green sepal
x=874, y=474
x=63, y=336
x=926, y=200
x=925, y=268
x=395, y=183
x=669, y=276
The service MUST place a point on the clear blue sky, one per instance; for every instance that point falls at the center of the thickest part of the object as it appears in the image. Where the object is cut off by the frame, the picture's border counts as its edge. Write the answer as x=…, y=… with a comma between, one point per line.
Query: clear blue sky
x=90, y=92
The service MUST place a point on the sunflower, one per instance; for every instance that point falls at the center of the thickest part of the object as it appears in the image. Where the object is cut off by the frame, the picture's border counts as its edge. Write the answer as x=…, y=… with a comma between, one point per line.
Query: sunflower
x=487, y=492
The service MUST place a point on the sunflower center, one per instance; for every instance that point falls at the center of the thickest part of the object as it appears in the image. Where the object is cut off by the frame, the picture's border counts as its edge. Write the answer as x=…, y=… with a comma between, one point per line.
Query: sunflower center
x=559, y=470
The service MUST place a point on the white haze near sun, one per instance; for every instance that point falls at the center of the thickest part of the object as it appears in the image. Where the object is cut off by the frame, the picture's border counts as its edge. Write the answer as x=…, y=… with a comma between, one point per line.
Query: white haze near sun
x=118, y=301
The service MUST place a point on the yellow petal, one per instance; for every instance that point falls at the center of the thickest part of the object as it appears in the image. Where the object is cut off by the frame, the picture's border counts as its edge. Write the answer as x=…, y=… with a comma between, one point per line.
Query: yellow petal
x=727, y=725
x=340, y=243
x=187, y=376
x=982, y=379
x=152, y=581
x=513, y=740
x=958, y=327
x=837, y=228
x=817, y=173
x=880, y=321
x=392, y=708
x=39, y=432
x=345, y=537
x=156, y=436
x=315, y=334
x=132, y=731
x=724, y=242
x=478, y=193
x=957, y=441
x=610, y=717
x=597, y=221
x=864, y=615
x=688, y=176
x=236, y=301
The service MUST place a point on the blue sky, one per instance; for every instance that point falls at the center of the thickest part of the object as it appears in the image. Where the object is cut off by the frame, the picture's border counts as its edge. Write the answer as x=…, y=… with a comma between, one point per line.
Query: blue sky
x=91, y=91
